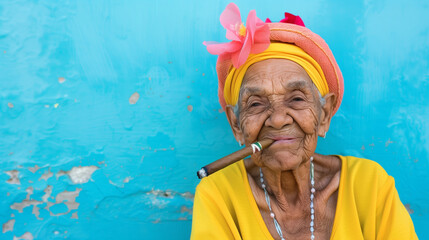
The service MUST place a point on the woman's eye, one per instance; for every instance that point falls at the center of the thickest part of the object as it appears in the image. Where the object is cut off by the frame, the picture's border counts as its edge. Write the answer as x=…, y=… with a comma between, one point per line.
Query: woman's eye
x=298, y=99
x=255, y=104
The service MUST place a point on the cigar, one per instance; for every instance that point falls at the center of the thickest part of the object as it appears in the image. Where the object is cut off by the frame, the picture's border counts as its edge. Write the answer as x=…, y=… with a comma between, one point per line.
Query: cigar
x=233, y=157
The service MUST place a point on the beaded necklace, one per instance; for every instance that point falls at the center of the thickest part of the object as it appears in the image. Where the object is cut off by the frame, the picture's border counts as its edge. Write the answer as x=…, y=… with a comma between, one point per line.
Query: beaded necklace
x=313, y=190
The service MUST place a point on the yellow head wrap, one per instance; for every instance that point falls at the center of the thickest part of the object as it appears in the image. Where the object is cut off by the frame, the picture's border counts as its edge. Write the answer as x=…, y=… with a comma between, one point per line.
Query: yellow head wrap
x=275, y=50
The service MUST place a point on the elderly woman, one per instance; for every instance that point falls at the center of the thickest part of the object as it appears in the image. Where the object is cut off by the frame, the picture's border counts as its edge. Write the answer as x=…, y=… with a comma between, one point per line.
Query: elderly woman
x=280, y=81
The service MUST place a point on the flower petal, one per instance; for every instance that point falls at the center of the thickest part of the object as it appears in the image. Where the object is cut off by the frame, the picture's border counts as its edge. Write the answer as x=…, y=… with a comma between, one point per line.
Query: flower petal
x=251, y=22
x=294, y=19
x=259, y=32
x=239, y=58
x=259, y=47
x=229, y=19
x=262, y=36
x=222, y=48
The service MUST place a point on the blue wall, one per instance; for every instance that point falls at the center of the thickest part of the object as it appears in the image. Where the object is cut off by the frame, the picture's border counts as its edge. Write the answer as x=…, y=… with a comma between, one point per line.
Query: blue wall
x=108, y=108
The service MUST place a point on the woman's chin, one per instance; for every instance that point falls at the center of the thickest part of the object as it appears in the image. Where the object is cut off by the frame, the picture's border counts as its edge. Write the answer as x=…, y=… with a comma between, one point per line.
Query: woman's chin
x=282, y=161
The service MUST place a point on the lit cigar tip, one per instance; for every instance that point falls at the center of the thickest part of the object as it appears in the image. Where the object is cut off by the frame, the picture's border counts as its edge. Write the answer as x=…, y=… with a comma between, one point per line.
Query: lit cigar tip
x=202, y=173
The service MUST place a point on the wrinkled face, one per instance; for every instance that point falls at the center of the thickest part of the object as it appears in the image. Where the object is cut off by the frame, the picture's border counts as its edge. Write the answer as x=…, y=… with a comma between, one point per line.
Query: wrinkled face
x=279, y=101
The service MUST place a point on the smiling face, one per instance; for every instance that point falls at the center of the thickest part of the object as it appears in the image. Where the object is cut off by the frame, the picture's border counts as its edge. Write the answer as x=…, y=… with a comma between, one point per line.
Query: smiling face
x=278, y=100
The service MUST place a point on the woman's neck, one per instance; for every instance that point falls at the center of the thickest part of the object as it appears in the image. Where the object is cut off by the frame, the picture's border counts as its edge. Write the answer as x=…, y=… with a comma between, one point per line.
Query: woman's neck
x=289, y=189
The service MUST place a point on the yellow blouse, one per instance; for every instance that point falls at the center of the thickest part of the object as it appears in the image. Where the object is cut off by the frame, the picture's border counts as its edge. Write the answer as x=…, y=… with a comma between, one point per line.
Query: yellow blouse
x=368, y=206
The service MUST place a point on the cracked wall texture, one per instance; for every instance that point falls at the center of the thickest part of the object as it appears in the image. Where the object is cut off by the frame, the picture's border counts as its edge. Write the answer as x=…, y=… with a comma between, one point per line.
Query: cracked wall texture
x=108, y=108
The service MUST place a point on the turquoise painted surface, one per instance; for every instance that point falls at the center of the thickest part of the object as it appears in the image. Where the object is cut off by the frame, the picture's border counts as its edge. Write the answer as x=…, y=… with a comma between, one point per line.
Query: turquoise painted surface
x=84, y=157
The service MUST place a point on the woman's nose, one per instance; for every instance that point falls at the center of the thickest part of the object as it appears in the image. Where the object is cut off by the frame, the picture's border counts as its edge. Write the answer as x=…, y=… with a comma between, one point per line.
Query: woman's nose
x=279, y=117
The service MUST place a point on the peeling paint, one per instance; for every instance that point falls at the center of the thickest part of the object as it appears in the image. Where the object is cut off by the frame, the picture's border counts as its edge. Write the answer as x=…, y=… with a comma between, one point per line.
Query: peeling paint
x=134, y=98
x=14, y=178
x=45, y=176
x=185, y=209
x=34, y=169
x=190, y=108
x=79, y=175
x=36, y=212
x=30, y=191
x=19, y=206
x=114, y=184
x=163, y=149
x=170, y=193
x=127, y=179
x=61, y=80
x=187, y=195
x=48, y=192
x=408, y=207
x=388, y=142
x=27, y=202
x=66, y=197
x=8, y=226
x=166, y=193
x=69, y=196
x=10, y=105
x=25, y=236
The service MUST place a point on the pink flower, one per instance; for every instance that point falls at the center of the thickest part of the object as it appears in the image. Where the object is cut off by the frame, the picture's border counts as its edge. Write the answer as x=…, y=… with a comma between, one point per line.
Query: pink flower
x=290, y=18
x=250, y=39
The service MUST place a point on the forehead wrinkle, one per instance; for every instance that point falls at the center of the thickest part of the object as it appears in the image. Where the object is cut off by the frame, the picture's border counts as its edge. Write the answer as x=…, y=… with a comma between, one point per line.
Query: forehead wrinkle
x=249, y=87
x=245, y=91
x=297, y=84
x=250, y=75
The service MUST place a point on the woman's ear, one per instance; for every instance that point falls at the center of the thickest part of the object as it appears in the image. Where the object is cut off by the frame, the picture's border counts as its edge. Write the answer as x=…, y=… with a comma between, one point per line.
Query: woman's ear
x=234, y=123
x=326, y=115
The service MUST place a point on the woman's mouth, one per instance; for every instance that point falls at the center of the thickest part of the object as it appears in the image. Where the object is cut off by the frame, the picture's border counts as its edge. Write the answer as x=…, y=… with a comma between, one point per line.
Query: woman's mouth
x=284, y=140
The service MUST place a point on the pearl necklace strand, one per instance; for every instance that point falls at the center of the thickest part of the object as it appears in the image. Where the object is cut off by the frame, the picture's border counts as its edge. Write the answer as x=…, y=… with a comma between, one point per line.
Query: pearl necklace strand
x=313, y=190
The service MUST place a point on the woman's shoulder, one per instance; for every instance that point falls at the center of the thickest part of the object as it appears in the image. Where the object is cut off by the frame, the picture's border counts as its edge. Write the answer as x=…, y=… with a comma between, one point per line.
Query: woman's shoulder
x=226, y=190
x=224, y=179
x=370, y=191
x=363, y=172
x=361, y=165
